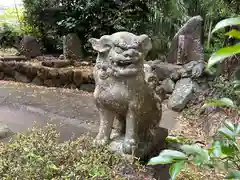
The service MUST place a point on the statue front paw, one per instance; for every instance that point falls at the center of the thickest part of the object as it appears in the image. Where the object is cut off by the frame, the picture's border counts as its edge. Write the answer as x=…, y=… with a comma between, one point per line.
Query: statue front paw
x=102, y=141
x=115, y=133
x=129, y=146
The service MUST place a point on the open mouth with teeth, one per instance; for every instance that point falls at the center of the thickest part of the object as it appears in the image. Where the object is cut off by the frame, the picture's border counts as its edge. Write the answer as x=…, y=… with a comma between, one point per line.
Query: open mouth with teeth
x=126, y=67
x=123, y=63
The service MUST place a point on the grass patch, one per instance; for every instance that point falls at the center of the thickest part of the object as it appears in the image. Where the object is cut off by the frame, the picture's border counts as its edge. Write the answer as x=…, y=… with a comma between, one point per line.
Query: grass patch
x=39, y=155
x=11, y=14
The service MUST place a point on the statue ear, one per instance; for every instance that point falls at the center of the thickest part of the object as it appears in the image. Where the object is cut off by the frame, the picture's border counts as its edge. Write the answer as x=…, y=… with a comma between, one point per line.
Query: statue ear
x=101, y=45
x=145, y=43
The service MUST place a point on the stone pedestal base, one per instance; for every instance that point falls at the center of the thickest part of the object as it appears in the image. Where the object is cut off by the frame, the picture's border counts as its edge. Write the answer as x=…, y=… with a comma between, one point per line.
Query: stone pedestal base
x=145, y=150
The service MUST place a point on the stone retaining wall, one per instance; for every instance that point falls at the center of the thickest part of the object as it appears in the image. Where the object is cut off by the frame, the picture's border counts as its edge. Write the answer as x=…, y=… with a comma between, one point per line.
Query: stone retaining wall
x=52, y=73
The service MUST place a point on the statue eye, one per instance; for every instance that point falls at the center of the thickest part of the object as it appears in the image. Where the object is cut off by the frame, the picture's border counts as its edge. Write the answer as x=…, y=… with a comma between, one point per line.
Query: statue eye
x=119, y=50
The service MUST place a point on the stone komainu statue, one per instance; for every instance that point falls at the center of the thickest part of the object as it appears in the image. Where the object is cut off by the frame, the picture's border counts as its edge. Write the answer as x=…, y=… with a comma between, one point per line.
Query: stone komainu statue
x=123, y=94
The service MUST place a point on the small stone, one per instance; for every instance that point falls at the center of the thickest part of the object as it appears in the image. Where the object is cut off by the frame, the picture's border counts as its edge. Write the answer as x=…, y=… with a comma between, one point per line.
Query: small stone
x=1, y=66
x=169, y=117
x=37, y=81
x=85, y=63
x=1, y=75
x=181, y=95
x=6, y=78
x=71, y=86
x=53, y=73
x=48, y=83
x=8, y=68
x=81, y=63
x=27, y=69
x=13, y=58
x=30, y=47
x=61, y=57
x=4, y=131
x=42, y=73
x=164, y=70
x=168, y=85
x=56, y=63
x=77, y=77
x=87, y=87
x=86, y=77
x=65, y=75
x=21, y=78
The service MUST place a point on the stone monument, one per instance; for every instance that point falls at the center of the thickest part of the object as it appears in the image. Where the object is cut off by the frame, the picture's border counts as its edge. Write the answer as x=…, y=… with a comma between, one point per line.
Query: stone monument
x=28, y=46
x=181, y=75
x=126, y=93
x=72, y=47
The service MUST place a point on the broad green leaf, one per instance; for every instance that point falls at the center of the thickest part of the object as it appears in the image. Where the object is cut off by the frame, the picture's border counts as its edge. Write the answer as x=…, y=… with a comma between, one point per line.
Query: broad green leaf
x=167, y=157
x=191, y=149
x=236, y=146
x=229, y=125
x=236, y=82
x=236, y=86
x=222, y=54
x=226, y=22
x=172, y=139
x=238, y=129
x=160, y=160
x=197, y=151
x=176, y=168
x=228, y=148
x=228, y=50
x=198, y=160
x=226, y=165
x=237, y=74
x=216, y=149
x=176, y=155
x=223, y=102
x=220, y=165
x=175, y=139
x=227, y=133
x=228, y=102
x=233, y=175
x=234, y=33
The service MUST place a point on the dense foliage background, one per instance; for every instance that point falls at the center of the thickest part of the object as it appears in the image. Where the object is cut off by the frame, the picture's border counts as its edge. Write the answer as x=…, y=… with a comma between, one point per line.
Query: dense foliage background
x=50, y=19
x=160, y=19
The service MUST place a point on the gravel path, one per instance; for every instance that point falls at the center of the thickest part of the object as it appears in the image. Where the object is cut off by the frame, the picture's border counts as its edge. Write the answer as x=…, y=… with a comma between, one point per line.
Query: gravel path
x=22, y=104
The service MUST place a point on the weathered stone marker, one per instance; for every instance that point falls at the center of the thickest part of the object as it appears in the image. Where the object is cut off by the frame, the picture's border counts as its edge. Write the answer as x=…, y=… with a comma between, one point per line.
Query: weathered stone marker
x=72, y=47
x=185, y=65
x=125, y=92
x=187, y=45
x=30, y=47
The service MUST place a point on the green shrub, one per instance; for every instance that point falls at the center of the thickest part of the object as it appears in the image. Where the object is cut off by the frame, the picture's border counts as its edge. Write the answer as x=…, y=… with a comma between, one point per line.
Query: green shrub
x=223, y=153
x=40, y=155
x=225, y=53
x=8, y=35
x=86, y=18
x=13, y=26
